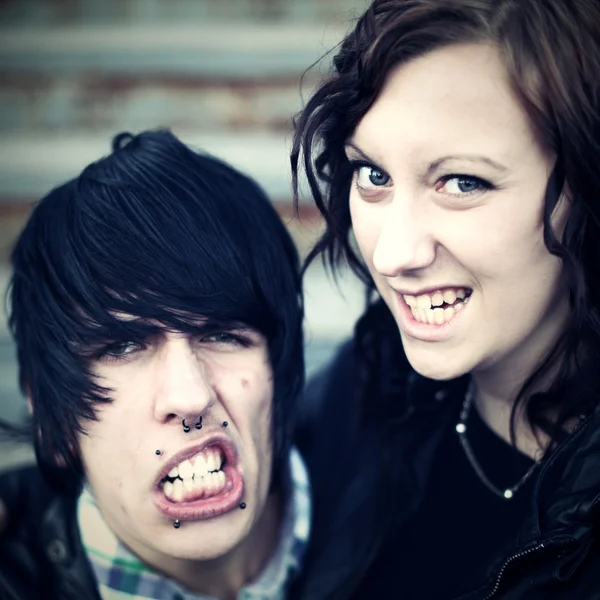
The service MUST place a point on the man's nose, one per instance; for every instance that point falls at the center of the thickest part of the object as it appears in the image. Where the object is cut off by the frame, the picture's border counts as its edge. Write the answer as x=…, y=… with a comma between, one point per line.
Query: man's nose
x=184, y=386
x=405, y=241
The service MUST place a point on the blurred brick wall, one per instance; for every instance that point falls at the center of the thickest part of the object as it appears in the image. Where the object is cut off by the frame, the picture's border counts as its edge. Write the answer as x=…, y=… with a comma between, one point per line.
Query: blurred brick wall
x=224, y=75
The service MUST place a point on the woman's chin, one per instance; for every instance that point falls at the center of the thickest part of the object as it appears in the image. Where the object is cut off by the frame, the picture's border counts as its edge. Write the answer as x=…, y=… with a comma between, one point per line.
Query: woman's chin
x=436, y=365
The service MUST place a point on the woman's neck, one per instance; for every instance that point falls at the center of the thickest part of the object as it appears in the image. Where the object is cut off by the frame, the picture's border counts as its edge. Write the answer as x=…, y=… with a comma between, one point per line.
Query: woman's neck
x=496, y=408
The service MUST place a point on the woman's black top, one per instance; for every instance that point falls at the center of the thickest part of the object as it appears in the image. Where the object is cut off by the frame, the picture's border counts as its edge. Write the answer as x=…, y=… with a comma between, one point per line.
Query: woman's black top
x=460, y=525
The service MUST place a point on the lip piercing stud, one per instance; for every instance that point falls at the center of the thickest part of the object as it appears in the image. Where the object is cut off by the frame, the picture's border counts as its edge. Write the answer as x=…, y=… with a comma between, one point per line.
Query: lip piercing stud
x=177, y=524
x=157, y=452
x=242, y=505
x=225, y=423
x=199, y=423
x=186, y=428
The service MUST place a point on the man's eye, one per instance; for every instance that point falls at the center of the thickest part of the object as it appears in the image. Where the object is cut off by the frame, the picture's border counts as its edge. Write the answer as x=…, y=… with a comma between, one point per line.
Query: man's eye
x=368, y=176
x=121, y=349
x=457, y=185
x=225, y=338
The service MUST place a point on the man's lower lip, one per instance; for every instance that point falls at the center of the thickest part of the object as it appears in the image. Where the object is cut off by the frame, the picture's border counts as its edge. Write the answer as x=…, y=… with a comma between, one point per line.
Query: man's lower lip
x=208, y=508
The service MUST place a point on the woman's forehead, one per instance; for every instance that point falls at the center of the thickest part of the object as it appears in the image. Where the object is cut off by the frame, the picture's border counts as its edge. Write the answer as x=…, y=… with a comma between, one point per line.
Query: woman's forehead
x=453, y=101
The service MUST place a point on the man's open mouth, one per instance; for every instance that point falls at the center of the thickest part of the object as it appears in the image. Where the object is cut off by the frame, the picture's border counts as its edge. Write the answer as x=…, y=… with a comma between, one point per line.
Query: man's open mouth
x=201, y=482
x=201, y=476
x=438, y=307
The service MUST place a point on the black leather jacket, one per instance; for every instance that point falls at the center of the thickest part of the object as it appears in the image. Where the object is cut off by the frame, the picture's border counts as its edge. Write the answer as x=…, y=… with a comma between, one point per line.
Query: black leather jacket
x=558, y=550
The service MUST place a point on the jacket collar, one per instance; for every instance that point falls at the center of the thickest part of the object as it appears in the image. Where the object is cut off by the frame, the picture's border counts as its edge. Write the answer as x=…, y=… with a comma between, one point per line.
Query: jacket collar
x=566, y=498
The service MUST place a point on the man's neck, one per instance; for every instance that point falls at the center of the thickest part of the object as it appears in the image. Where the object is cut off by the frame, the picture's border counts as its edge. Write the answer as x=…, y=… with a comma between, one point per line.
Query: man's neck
x=224, y=577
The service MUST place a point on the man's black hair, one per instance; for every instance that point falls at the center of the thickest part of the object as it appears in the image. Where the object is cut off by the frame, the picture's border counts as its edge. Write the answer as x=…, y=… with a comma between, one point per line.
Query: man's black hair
x=157, y=231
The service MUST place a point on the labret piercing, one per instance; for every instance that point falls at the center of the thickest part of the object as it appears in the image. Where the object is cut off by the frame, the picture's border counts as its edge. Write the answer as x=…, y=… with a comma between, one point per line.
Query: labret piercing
x=177, y=522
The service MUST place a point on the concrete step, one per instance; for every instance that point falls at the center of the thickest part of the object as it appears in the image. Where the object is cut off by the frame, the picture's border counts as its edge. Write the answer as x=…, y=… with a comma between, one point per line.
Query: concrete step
x=217, y=50
x=31, y=165
x=37, y=104
x=76, y=12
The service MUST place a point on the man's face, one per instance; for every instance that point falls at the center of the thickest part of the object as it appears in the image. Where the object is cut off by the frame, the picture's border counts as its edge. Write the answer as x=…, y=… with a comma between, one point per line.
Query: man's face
x=199, y=477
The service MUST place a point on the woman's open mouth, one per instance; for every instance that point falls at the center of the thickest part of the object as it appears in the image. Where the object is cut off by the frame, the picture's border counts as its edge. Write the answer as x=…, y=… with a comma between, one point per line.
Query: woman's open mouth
x=438, y=307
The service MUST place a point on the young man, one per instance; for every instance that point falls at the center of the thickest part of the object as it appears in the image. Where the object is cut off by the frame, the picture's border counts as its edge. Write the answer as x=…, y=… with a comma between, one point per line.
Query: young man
x=157, y=312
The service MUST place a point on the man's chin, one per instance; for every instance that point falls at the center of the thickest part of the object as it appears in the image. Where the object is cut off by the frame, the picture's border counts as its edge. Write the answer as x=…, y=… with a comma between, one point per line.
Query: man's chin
x=198, y=545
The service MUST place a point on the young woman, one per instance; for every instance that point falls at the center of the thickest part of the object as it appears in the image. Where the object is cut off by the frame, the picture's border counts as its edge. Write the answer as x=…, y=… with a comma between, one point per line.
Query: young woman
x=453, y=152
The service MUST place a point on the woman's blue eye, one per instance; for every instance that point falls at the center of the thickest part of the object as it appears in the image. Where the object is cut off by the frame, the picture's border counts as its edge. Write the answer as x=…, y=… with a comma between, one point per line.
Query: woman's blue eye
x=463, y=184
x=371, y=176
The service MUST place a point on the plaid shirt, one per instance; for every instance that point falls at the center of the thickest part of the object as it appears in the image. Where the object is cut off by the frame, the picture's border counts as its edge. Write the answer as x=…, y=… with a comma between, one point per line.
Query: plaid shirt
x=122, y=576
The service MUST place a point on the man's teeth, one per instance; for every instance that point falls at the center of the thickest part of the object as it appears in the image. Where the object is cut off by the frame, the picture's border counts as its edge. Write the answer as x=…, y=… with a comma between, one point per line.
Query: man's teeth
x=200, y=475
x=427, y=308
x=209, y=485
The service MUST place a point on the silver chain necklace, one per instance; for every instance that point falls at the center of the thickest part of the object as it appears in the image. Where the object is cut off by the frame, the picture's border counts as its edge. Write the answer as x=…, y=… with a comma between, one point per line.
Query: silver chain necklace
x=461, y=429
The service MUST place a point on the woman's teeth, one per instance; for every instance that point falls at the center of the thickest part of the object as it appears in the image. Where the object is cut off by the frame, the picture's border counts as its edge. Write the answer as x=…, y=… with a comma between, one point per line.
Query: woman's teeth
x=197, y=477
x=437, y=308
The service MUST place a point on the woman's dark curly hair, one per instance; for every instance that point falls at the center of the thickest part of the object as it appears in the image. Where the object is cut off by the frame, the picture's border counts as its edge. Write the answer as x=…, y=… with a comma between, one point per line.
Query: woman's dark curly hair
x=551, y=50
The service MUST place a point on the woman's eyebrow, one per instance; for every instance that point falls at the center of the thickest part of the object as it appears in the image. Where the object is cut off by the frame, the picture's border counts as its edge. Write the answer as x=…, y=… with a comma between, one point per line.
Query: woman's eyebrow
x=476, y=158
x=363, y=155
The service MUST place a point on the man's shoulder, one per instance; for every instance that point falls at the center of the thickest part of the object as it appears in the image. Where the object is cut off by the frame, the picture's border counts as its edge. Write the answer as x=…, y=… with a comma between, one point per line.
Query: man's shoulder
x=40, y=552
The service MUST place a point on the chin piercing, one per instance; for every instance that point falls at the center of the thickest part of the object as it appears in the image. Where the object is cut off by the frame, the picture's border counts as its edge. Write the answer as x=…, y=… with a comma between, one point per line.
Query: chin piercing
x=186, y=428
x=177, y=524
x=199, y=423
x=242, y=505
x=157, y=452
x=225, y=423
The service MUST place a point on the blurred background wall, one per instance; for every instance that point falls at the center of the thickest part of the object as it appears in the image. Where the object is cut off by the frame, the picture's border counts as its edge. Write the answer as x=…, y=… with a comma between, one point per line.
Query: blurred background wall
x=225, y=75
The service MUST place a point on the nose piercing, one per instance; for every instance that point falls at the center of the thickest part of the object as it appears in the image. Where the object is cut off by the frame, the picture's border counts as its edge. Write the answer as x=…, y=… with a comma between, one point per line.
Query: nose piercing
x=186, y=428
x=225, y=423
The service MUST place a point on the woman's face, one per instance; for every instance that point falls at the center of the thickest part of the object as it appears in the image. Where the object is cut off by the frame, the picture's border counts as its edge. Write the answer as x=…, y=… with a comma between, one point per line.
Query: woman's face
x=447, y=208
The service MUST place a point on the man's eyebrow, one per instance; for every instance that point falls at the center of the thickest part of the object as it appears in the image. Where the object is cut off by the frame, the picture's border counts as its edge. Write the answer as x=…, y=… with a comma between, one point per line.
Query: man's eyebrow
x=476, y=158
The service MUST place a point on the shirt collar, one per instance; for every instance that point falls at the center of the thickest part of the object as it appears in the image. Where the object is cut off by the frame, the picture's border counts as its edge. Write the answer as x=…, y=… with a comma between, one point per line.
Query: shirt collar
x=122, y=576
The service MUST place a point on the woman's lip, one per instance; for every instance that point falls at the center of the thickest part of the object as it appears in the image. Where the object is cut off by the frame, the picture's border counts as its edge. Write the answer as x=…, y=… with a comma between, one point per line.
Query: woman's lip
x=207, y=508
x=430, y=291
x=423, y=331
x=212, y=439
